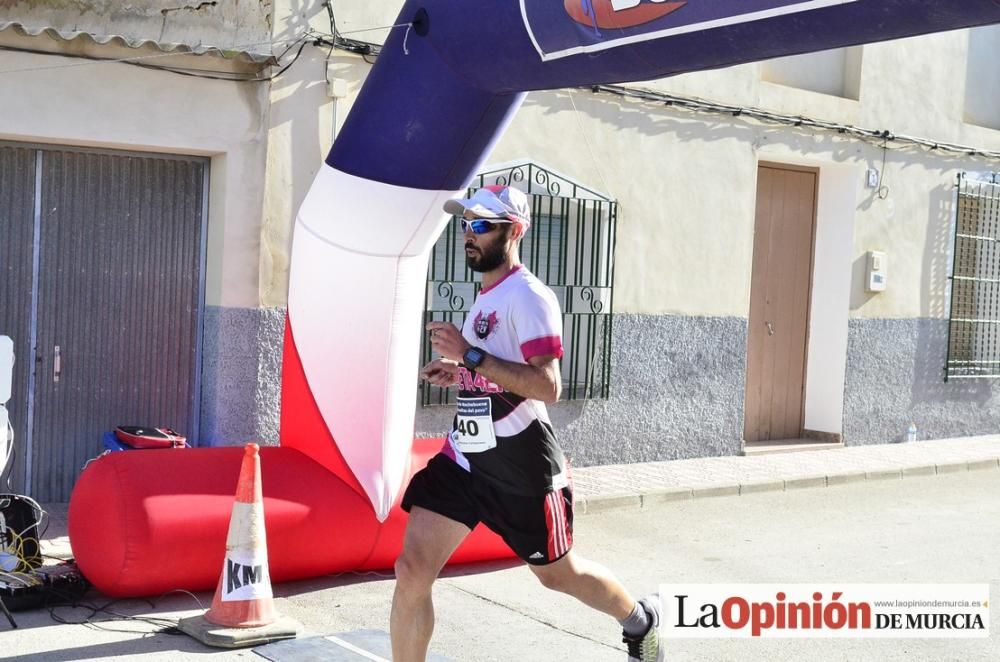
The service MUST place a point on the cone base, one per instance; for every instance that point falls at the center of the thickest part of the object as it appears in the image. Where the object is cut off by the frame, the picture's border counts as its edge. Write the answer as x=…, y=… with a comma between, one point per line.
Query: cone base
x=222, y=637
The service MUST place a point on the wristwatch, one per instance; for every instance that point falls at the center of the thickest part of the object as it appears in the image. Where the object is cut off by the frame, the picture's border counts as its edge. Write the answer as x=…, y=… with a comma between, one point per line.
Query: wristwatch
x=473, y=358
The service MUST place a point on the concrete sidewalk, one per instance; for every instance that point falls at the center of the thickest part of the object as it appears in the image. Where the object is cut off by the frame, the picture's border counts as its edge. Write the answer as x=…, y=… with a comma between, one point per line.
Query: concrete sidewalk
x=921, y=530
x=636, y=486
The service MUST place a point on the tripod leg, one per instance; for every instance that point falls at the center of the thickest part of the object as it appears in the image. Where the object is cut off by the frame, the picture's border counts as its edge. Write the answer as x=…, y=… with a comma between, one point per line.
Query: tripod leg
x=7, y=614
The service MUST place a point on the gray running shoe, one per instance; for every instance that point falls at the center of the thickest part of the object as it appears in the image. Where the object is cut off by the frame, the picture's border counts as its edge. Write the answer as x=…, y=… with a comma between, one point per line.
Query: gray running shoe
x=647, y=647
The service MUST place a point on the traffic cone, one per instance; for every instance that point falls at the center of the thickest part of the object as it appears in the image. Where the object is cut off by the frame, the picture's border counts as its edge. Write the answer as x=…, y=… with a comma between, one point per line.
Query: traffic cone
x=242, y=611
x=243, y=598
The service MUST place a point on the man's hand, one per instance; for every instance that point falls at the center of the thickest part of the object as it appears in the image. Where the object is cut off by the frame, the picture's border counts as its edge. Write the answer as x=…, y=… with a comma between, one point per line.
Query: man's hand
x=447, y=341
x=441, y=372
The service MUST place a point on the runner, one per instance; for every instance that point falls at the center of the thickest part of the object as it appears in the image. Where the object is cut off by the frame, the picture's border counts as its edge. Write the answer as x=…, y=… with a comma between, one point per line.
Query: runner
x=501, y=464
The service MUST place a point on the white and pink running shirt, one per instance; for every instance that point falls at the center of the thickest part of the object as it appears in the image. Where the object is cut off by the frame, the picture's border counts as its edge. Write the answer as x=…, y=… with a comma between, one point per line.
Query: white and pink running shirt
x=498, y=435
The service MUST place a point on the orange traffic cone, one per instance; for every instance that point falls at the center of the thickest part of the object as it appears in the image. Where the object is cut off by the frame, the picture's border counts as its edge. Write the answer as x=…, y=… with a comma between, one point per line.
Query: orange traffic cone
x=243, y=598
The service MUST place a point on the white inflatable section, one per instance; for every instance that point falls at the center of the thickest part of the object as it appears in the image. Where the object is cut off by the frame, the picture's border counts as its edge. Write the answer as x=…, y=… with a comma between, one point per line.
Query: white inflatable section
x=355, y=299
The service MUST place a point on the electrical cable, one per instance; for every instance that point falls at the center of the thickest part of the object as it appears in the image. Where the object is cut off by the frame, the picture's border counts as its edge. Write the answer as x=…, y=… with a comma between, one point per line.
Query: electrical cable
x=164, y=625
x=870, y=136
x=90, y=59
x=141, y=61
x=883, y=190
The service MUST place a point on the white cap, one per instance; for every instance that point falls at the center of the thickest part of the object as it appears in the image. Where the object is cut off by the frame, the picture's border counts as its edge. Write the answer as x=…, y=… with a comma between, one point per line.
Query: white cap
x=494, y=202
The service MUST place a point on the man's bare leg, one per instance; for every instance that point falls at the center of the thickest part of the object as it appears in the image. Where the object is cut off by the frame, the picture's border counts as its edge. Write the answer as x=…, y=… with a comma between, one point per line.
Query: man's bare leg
x=588, y=582
x=429, y=542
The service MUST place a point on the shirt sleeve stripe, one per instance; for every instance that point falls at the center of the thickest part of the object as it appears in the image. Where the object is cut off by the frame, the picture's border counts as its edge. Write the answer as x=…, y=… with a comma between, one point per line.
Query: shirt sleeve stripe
x=542, y=346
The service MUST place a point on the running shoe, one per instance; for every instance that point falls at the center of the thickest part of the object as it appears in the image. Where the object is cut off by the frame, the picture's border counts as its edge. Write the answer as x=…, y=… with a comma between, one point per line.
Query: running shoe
x=646, y=647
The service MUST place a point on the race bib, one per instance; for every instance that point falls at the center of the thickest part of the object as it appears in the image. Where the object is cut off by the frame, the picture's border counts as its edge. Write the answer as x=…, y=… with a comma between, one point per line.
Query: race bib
x=474, y=425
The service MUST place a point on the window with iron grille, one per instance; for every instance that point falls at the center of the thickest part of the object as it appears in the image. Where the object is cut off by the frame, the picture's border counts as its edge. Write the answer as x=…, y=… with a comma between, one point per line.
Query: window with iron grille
x=570, y=247
x=974, y=324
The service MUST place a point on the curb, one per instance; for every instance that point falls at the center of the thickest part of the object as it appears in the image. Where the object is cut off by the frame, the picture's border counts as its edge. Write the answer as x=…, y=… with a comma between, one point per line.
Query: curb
x=602, y=503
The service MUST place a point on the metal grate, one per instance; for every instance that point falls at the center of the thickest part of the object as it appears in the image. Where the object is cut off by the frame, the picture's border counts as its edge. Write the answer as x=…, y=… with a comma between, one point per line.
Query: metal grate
x=974, y=325
x=570, y=248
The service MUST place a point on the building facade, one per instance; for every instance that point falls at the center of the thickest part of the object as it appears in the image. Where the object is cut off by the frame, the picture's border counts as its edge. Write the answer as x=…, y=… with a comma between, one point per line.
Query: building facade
x=748, y=205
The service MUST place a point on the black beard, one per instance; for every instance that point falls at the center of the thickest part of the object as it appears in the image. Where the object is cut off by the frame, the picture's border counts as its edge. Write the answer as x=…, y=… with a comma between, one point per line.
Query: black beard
x=488, y=259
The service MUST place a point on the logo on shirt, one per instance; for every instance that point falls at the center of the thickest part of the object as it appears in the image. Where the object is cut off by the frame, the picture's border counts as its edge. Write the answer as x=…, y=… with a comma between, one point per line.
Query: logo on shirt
x=485, y=326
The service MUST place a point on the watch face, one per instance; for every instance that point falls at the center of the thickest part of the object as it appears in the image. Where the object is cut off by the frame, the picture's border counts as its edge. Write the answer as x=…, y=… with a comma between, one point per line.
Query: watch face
x=474, y=356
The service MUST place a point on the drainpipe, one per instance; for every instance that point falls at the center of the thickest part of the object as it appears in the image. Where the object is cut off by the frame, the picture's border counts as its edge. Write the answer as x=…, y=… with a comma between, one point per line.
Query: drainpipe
x=336, y=88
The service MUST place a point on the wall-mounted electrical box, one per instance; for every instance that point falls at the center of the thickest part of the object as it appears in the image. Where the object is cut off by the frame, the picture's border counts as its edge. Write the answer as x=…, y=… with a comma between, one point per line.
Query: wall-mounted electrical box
x=876, y=272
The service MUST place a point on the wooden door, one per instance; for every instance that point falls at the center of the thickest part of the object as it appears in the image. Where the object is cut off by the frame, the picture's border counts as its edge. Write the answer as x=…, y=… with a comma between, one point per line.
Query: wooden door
x=779, y=302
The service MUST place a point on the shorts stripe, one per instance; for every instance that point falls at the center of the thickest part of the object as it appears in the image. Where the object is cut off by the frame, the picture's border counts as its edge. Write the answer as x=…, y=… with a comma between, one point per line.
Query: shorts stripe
x=557, y=495
x=555, y=515
x=550, y=523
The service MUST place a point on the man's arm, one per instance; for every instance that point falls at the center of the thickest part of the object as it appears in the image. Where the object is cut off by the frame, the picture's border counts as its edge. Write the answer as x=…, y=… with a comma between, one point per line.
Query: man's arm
x=539, y=379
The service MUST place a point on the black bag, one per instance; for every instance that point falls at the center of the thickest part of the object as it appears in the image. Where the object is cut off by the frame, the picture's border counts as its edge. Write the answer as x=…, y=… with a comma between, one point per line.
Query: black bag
x=20, y=519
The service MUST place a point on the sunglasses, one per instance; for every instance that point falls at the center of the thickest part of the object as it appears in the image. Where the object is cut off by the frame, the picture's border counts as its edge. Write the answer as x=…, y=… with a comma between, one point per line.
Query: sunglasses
x=479, y=225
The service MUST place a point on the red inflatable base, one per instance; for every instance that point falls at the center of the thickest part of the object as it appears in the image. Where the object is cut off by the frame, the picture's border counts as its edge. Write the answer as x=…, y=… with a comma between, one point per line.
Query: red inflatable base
x=147, y=521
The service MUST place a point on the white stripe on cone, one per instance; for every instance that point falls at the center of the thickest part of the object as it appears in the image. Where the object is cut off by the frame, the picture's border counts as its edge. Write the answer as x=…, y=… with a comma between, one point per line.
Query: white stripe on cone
x=245, y=574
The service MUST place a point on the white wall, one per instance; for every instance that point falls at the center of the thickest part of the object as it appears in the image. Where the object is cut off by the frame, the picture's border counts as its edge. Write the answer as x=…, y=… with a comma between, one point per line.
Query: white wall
x=982, y=86
x=686, y=181
x=835, y=72
x=131, y=108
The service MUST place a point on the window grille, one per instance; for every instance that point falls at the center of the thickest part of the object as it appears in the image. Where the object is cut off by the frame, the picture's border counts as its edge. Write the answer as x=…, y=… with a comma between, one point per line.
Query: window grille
x=570, y=247
x=974, y=324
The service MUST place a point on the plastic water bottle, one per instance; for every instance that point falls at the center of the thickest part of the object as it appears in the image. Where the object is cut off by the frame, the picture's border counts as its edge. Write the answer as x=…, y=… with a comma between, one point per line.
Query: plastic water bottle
x=911, y=432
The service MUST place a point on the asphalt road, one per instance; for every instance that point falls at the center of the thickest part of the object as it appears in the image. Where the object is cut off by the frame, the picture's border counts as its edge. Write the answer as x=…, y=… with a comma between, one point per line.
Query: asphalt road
x=935, y=529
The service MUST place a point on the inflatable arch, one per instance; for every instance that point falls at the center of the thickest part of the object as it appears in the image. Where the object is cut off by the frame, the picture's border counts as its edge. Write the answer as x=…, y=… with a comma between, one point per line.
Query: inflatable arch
x=440, y=95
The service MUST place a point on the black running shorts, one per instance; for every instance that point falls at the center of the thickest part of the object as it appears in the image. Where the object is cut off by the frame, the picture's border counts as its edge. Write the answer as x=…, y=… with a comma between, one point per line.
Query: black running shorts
x=538, y=528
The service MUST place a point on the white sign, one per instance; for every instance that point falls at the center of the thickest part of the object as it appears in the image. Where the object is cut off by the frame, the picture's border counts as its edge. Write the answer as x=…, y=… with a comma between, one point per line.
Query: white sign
x=874, y=611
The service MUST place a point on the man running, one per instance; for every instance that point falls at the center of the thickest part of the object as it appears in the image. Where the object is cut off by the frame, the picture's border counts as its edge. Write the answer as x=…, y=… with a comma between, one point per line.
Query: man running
x=501, y=464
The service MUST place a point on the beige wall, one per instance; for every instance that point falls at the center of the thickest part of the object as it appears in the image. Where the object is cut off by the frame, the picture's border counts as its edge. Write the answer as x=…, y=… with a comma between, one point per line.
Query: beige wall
x=125, y=107
x=686, y=182
x=302, y=122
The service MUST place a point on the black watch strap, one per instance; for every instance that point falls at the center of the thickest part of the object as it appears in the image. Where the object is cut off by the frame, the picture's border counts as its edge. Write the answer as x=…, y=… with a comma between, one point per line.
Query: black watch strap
x=473, y=358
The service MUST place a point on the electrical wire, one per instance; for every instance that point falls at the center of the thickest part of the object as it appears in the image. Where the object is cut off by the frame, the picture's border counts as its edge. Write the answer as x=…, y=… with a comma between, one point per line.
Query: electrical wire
x=89, y=620
x=883, y=190
x=142, y=60
x=16, y=542
x=90, y=59
x=871, y=136
x=163, y=625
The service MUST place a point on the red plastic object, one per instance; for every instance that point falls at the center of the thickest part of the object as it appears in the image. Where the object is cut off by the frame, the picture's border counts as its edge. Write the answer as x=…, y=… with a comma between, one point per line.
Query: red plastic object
x=146, y=523
x=139, y=437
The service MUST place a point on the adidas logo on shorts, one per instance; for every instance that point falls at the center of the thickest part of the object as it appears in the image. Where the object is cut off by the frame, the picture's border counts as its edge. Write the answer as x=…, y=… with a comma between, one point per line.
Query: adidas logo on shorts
x=537, y=555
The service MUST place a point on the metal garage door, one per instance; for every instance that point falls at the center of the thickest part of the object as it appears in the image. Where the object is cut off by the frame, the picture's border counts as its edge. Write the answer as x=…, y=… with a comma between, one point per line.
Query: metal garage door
x=114, y=298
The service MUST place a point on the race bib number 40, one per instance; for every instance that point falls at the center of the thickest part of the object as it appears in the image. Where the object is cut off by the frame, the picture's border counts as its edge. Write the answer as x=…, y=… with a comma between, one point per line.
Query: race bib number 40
x=474, y=425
